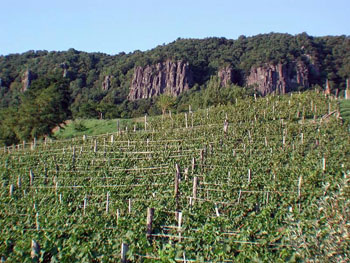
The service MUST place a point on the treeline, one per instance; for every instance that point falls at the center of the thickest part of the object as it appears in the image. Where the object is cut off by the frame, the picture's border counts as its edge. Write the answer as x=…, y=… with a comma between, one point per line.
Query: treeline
x=80, y=75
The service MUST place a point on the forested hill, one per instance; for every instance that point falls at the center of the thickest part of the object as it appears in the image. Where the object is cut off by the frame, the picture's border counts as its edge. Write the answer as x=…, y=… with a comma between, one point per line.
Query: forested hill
x=126, y=85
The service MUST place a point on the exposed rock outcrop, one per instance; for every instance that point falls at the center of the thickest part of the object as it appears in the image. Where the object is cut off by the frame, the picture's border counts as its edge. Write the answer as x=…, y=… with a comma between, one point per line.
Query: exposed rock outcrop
x=167, y=77
x=280, y=78
x=106, y=84
x=226, y=76
x=27, y=77
x=65, y=67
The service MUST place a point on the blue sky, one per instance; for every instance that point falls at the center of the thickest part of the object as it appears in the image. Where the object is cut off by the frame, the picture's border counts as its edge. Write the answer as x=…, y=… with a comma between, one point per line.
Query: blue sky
x=123, y=26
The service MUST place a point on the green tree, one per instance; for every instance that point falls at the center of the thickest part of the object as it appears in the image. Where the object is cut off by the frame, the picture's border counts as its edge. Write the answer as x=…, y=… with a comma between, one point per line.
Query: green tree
x=43, y=110
x=8, y=121
x=165, y=102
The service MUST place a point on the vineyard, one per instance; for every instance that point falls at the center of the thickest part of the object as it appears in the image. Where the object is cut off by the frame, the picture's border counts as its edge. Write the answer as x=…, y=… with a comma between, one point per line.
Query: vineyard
x=261, y=180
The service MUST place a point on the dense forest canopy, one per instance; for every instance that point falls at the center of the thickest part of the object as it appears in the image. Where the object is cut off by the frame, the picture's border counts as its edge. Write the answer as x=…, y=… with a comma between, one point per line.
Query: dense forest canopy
x=73, y=79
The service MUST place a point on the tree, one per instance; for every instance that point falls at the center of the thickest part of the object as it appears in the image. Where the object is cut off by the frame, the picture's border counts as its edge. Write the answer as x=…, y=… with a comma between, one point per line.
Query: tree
x=212, y=96
x=8, y=120
x=165, y=102
x=43, y=110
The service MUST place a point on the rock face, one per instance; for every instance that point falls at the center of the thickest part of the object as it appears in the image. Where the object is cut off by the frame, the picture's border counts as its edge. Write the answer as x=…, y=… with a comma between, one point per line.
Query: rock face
x=26, y=80
x=280, y=78
x=106, y=84
x=65, y=67
x=226, y=76
x=167, y=77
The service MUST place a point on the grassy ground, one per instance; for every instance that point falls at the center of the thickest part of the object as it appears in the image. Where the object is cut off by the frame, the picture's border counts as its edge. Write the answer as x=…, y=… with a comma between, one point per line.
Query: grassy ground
x=345, y=109
x=94, y=127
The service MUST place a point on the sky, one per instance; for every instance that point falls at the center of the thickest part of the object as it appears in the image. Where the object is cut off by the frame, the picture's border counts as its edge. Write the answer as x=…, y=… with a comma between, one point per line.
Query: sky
x=124, y=26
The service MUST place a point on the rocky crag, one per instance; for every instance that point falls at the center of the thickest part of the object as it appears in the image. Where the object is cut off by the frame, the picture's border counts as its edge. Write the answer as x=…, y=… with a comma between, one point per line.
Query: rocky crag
x=226, y=76
x=27, y=78
x=174, y=78
x=167, y=77
x=106, y=84
x=280, y=78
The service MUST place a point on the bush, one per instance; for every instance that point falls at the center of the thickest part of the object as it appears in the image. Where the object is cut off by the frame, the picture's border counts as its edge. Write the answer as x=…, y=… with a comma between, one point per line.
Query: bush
x=79, y=125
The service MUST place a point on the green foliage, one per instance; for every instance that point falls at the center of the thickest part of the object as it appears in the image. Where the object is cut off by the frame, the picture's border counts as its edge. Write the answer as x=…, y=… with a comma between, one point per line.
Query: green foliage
x=344, y=106
x=264, y=192
x=165, y=102
x=79, y=127
x=42, y=108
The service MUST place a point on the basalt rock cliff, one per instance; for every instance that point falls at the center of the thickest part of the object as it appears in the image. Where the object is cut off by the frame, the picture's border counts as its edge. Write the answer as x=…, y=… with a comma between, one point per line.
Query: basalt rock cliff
x=27, y=77
x=226, y=76
x=174, y=78
x=106, y=84
x=280, y=78
x=167, y=77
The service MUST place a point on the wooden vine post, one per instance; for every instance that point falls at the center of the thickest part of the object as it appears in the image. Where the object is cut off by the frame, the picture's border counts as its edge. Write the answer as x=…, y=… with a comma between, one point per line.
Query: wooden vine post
x=95, y=146
x=194, y=189
x=31, y=177
x=37, y=221
x=302, y=138
x=19, y=181
x=107, y=203
x=123, y=251
x=176, y=184
x=179, y=226
x=193, y=164
x=11, y=190
x=129, y=206
x=118, y=215
x=323, y=164
x=300, y=181
x=217, y=210
x=299, y=186
x=225, y=127
x=202, y=158
x=35, y=253
x=150, y=214
x=192, y=121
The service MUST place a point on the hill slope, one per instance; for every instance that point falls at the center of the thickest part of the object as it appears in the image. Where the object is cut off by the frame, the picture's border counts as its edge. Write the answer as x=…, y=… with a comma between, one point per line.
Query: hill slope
x=273, y=186
x=96, y=77
x=40, y=89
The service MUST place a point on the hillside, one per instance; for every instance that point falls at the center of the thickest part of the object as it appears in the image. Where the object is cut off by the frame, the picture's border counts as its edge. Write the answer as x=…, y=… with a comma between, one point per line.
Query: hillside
x=259, y=180
x=55, y=86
